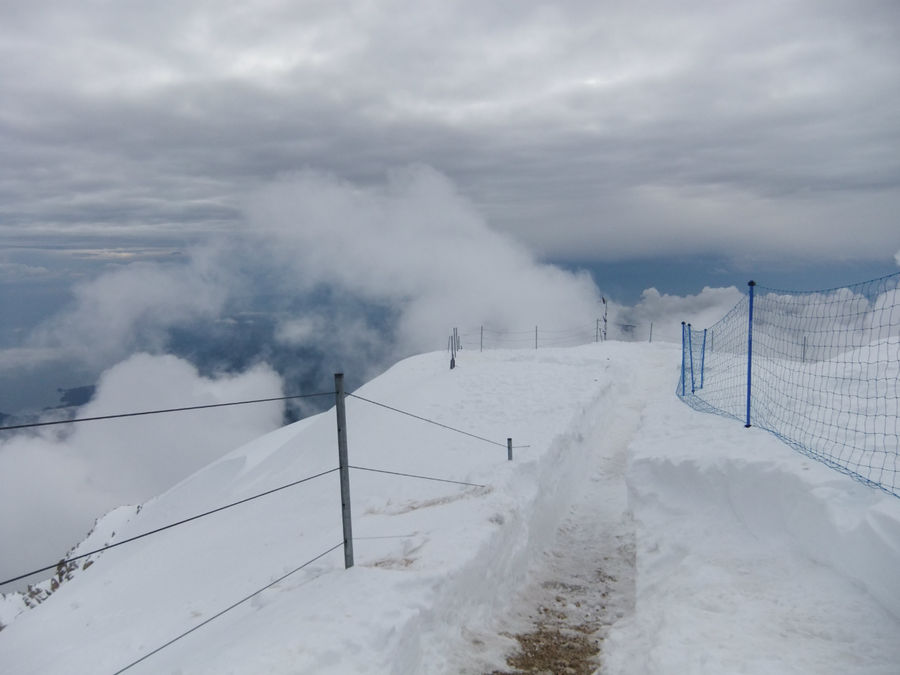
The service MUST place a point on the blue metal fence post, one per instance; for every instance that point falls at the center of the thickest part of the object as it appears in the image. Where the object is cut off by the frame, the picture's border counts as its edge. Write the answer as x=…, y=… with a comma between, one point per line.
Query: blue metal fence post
x=703, y=358
x=691, y=352
x=682, y=358
x=751, y=284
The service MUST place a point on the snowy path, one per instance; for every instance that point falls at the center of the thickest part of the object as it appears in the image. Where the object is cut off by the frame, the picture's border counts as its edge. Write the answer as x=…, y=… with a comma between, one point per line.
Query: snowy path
x=584, y=581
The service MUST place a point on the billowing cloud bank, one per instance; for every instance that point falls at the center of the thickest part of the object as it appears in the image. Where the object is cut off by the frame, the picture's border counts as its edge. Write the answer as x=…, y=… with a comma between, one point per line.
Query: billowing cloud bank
x=132, y=308
x=54, y=483
x=416, y=248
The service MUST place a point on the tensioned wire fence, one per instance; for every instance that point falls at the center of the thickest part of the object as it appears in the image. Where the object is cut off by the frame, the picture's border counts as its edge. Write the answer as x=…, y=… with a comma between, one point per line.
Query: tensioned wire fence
x=66, y=567
x=487, y=337
x=818, y=369
x=538, y=337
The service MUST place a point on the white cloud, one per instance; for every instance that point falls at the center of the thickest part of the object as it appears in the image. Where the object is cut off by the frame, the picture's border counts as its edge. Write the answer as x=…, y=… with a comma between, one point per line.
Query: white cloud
x=345, y=340
x=53, y=484
x=301, y=331
x=416, y=246
x=130, y=308
x=666, y=312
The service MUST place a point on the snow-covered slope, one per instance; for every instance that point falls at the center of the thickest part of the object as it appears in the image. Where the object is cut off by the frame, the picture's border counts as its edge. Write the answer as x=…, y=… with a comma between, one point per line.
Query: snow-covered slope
x=750, y=558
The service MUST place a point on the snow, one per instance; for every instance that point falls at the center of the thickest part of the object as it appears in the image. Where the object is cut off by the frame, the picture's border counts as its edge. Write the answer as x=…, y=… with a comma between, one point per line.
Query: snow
x=730, y=552
x=762, y=560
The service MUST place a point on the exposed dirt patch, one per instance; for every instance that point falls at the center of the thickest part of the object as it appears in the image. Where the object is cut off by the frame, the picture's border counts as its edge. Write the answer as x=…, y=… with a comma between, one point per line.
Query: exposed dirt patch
x=568, y=628
x=394, y=563
x=550, y=650
x=414, y=505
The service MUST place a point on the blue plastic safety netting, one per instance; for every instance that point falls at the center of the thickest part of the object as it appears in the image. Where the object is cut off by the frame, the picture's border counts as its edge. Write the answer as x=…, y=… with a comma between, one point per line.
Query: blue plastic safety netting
x=819, y=369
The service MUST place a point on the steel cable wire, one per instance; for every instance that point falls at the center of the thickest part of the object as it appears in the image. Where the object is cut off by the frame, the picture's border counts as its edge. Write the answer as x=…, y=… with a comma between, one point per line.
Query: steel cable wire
x=160, y=412
x=227, y=609
x=66, y=561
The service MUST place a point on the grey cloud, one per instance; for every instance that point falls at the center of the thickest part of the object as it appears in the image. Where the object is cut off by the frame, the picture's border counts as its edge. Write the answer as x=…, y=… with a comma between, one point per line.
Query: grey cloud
x=132, y=307
x=557, y=121
x=413, y=244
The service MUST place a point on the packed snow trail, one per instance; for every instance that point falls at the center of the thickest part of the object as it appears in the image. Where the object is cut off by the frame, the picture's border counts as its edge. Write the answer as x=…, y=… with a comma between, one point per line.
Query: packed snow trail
x=748, y=557
x=583, y=581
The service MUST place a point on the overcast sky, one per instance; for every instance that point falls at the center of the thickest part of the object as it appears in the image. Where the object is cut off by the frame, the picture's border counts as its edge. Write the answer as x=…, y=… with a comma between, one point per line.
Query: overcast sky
x=590, y=130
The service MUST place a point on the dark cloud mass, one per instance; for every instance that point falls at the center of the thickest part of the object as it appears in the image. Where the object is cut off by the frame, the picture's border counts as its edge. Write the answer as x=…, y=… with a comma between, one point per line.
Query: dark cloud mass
x=589, y=130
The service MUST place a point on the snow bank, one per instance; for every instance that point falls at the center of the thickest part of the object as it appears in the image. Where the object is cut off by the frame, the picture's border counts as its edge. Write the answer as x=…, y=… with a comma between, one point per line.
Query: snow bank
x=752, y=558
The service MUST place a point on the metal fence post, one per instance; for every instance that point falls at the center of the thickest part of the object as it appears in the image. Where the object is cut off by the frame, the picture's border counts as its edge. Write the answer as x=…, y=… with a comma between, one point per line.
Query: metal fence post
x=343, y=468
x=651, y=332
x=453, y=346
x=703, y=358
x=682, y=357
x=605, y=308
x=509, y=449
x=751, y=284
x=691, y=352
x=535, y=337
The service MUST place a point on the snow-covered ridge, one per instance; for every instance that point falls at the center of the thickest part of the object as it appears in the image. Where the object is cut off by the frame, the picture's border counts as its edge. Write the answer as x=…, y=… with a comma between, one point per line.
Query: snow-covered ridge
x=721, y=515
x=102, y=534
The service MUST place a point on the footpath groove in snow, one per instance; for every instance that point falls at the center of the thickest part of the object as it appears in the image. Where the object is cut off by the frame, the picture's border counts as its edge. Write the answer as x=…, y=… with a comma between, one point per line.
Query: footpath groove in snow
x=584, y=582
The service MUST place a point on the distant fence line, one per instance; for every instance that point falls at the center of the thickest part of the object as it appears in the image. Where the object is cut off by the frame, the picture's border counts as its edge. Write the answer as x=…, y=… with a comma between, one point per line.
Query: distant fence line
x=818, y=369
x=486, y=337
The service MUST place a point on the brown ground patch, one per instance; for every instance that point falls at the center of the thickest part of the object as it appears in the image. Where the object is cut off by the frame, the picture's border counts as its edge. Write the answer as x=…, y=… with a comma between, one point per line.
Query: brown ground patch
x=553, y=650
x=565, y=639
